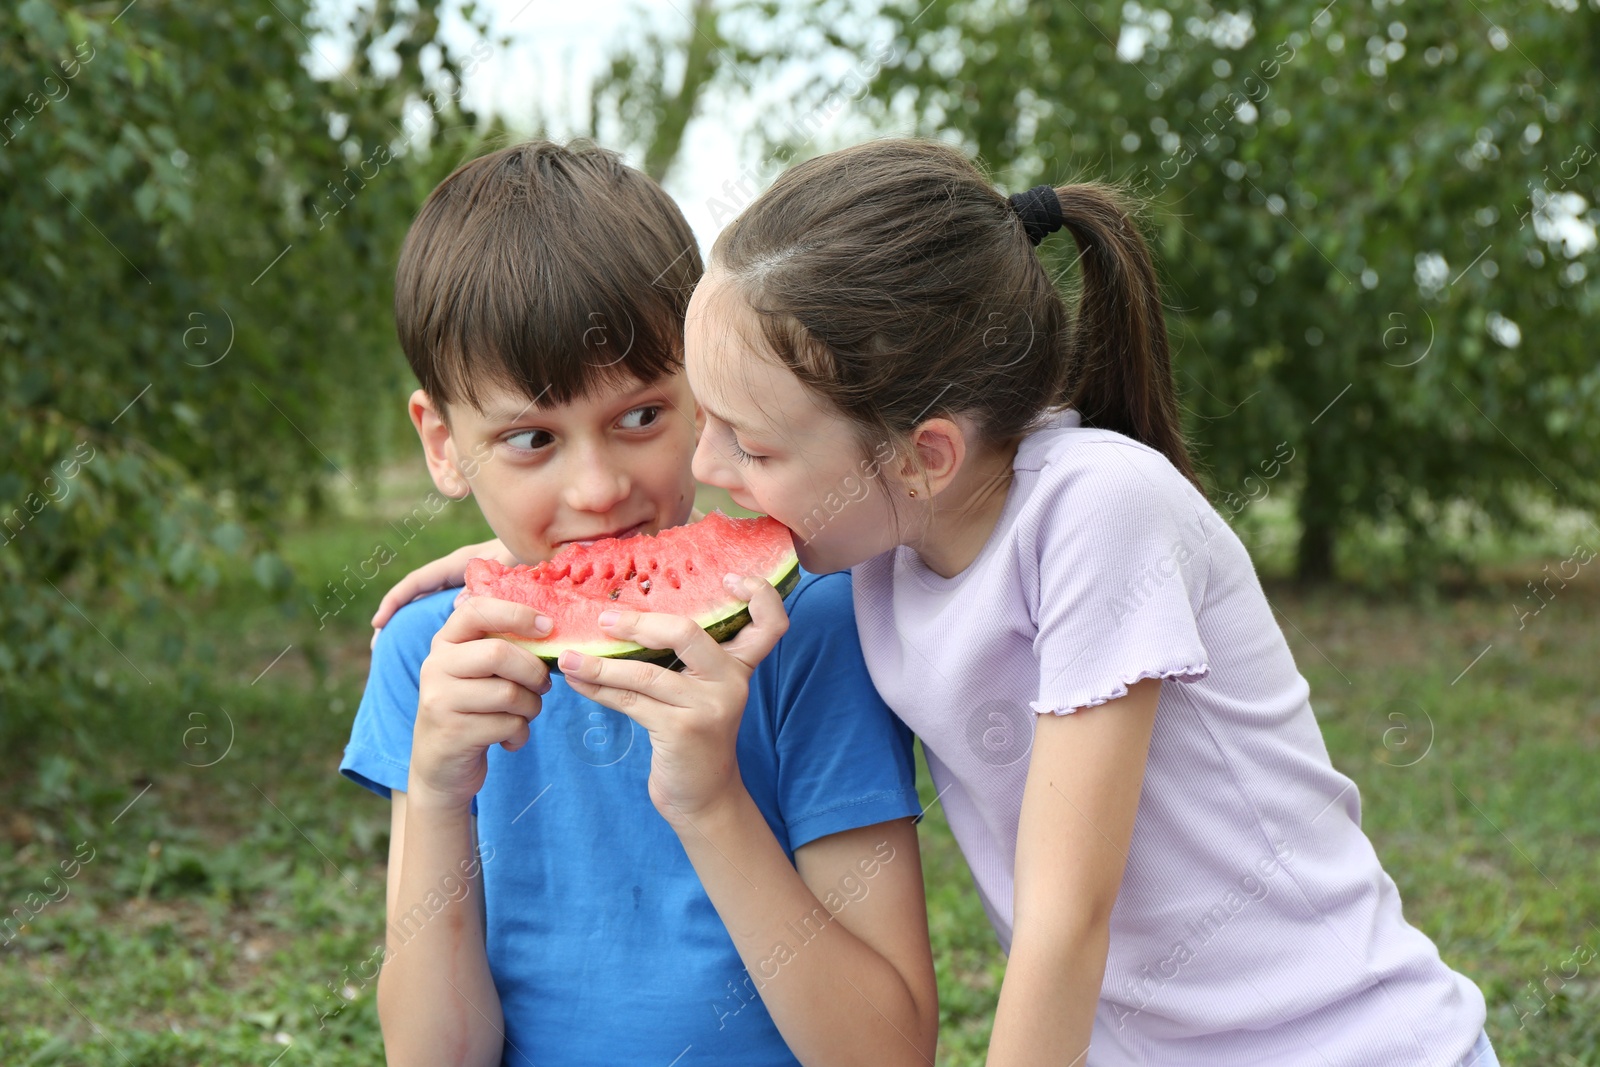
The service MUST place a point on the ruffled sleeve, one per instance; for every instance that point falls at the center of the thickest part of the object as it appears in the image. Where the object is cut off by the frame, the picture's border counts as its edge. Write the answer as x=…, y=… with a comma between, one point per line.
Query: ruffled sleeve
x=1122, y=567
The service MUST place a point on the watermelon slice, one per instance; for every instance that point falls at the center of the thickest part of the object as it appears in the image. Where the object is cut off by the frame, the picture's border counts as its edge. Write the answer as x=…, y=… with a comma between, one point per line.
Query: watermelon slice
x=678, y=571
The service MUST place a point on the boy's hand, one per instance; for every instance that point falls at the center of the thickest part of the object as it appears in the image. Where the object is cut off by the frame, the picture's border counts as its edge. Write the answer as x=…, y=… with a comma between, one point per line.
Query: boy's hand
x=692, y=715
x=475, y=691
x=431, y=577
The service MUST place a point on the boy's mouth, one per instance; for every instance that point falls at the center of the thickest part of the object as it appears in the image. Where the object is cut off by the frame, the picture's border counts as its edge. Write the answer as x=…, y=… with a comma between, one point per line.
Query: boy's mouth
x=630, y=531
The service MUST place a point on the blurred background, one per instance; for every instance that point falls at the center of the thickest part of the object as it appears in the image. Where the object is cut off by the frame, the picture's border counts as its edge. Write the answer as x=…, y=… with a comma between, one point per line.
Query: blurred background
x=1377, y=223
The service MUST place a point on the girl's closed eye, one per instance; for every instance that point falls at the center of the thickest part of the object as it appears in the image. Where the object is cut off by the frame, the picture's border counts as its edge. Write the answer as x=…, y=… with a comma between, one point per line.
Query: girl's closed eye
x=740, y=455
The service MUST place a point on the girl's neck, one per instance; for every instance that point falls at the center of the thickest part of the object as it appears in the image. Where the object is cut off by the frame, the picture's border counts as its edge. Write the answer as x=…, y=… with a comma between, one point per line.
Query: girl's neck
x=964, y=515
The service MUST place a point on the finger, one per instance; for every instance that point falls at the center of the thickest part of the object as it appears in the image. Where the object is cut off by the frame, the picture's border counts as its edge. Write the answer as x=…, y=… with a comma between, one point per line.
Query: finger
x=477, y=697
x=644, y=710
x=516, y=740
x=653, y=629
x=768, y=620
x=631, y=686
x=495, y=658
x=482, y=616
x=482, y=731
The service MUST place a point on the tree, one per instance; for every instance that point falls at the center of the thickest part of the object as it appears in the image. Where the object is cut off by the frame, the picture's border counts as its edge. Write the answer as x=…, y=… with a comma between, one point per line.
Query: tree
x=201, y=205
x=636, y=99
x=1375, y=221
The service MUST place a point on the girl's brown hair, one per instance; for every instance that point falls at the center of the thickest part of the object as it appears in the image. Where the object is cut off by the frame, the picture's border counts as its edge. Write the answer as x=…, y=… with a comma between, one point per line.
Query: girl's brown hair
x=894, y=280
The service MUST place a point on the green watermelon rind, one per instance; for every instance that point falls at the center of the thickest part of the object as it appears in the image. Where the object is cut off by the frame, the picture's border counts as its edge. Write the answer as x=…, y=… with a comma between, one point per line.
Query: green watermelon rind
x=784, y=579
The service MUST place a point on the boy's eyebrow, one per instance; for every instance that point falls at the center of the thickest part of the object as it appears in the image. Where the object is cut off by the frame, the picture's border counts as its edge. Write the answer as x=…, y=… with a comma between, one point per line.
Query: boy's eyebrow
x=507, y=414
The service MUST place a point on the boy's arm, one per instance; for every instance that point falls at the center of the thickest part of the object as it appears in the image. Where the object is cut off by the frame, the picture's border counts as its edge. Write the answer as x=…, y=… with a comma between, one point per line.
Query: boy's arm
x=436, y=997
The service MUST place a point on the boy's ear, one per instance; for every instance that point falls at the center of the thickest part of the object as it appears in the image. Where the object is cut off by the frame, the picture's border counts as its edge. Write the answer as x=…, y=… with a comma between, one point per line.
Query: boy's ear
x=437, y=446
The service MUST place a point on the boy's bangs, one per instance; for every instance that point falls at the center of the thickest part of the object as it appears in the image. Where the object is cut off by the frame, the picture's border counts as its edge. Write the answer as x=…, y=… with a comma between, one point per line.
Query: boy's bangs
x=544, y=270
x=552, y=329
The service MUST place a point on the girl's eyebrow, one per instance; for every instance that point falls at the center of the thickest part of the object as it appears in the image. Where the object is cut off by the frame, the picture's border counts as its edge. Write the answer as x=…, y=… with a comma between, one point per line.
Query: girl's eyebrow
x=724, y=419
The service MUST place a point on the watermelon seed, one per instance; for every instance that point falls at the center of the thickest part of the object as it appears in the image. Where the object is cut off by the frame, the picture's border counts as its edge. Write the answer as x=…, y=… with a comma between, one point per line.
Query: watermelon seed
x=644, y=586
x=613, y=594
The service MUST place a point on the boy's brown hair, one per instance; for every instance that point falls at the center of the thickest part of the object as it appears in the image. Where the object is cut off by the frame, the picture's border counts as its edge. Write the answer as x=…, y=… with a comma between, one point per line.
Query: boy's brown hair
x=548, y=269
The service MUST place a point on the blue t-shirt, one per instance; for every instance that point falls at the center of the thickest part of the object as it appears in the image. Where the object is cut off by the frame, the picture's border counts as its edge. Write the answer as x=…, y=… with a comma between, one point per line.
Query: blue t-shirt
x=603, y=944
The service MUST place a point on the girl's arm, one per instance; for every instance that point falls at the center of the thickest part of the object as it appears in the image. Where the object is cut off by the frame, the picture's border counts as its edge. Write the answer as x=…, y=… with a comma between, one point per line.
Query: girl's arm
x=850, y=984
x=442, y=573
x=436, y=998
x=1078, y=808
x=851, y=987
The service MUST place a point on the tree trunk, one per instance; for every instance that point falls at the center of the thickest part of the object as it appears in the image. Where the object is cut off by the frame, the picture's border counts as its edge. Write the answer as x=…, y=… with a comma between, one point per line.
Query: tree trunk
x=701, y=54
x=1318, y=514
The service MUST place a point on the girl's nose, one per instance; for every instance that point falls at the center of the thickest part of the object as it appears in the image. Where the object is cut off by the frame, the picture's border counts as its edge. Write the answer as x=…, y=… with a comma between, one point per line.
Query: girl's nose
x=712, y=467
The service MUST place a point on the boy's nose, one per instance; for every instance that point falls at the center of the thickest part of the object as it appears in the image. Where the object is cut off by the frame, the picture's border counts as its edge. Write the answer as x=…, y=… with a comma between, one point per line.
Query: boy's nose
x=596, y=484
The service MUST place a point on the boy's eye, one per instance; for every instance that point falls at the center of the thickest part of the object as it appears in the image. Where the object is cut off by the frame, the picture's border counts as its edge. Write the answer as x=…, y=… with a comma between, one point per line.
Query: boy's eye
x=528, y=440
x=640, y=417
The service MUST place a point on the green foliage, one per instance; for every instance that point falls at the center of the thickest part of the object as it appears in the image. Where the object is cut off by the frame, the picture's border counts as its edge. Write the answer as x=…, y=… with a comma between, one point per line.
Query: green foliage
x=200, y=216
x=1351, y=203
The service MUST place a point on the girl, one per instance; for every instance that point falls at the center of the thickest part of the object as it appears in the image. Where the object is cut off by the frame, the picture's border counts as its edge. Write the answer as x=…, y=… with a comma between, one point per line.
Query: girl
x=1122, y=742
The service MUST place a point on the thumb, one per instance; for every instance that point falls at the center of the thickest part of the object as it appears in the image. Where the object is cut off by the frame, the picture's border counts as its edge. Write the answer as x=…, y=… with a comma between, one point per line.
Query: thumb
x=768, y=620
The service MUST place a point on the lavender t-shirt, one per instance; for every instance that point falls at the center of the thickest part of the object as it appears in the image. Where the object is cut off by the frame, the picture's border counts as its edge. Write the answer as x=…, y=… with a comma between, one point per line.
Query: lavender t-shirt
x=1254, y=923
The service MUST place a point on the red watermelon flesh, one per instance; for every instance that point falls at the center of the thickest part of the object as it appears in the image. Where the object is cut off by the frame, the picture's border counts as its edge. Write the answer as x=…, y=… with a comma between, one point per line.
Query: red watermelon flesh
x=678, y=571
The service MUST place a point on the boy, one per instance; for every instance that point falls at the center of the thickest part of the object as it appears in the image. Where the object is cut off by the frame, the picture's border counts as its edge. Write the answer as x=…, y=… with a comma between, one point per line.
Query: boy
x=540, y=910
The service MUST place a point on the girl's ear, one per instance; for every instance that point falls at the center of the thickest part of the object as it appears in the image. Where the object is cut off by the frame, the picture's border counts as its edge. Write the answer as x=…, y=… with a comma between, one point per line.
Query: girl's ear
x=940, y=447
x=437, y=445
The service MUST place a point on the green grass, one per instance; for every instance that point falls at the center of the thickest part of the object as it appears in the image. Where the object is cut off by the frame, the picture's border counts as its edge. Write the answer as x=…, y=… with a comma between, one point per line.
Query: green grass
x=230, y=912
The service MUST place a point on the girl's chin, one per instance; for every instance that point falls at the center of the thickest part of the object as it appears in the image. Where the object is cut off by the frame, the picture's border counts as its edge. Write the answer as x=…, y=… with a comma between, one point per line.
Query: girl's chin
x=814, y=562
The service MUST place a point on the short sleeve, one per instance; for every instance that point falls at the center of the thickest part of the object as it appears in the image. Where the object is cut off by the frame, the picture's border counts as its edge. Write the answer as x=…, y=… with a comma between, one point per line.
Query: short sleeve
x=1123, y=563
x=844, y=760
x=378, y=754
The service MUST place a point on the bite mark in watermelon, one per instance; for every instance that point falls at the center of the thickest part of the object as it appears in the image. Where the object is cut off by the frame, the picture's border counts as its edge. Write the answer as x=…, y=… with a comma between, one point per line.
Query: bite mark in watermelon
x=677, y=571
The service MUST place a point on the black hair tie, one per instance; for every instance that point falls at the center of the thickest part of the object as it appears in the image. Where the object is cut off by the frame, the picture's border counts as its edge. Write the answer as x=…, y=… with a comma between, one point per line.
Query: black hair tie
x=1040, y=211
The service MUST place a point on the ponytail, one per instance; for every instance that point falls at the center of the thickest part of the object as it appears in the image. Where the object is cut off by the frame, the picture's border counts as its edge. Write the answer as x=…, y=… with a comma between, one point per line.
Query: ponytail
x=1117, y=348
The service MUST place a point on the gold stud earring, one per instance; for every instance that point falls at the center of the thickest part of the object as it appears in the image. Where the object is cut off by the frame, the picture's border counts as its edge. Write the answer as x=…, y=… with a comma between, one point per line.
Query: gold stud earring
x=913, y=492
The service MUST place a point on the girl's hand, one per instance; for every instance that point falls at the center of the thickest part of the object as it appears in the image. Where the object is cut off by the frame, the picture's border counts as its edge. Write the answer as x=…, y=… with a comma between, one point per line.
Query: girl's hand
x=475, y=691
x=432, y=577
x=692, y=715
